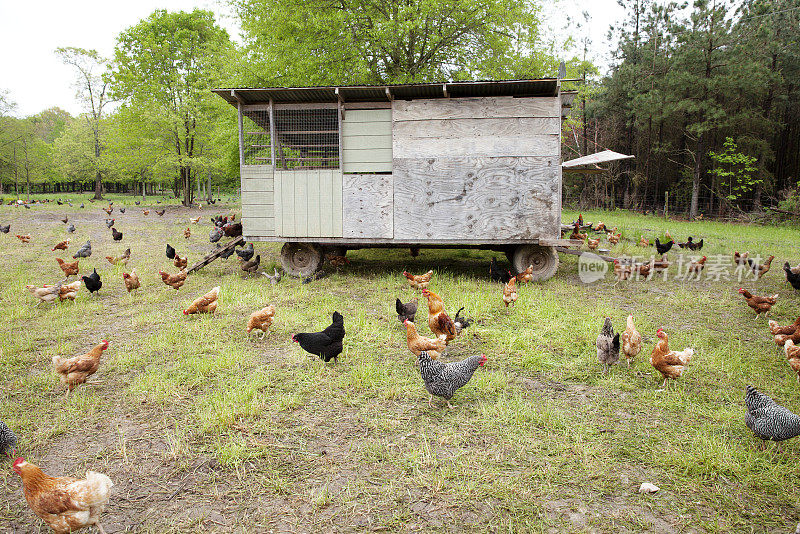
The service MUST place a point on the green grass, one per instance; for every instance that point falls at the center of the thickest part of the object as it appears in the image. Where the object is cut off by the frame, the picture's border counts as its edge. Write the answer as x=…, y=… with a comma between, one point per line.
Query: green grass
x=204, y=429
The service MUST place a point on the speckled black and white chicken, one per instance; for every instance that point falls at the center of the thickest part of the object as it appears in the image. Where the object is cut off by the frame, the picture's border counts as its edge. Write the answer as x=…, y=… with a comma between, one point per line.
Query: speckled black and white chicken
x=607, y=345
x=8, y=441
x=443, y=379
x=767, y=419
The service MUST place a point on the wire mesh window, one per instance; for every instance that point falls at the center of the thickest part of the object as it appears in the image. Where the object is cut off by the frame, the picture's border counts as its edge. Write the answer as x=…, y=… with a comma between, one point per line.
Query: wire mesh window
x=307, y=138
x=257, y=149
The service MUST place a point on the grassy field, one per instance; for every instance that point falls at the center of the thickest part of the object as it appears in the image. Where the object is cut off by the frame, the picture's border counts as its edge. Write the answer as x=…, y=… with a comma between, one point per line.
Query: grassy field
x=203, y=429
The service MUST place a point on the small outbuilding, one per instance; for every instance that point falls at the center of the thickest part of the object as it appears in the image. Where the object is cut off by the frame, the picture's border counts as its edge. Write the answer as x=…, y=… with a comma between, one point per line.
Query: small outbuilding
x=446, y=165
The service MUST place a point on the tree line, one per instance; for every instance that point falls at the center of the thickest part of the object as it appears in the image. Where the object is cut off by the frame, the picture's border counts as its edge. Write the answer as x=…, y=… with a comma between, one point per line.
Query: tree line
x=707, y=98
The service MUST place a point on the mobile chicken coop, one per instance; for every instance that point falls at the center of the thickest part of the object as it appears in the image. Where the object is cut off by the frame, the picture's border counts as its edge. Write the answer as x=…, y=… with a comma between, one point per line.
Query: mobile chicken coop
x=446, y=165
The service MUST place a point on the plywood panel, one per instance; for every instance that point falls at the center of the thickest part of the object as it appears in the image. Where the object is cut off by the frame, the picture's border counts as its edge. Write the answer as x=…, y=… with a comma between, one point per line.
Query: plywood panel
x=476, y=198
x=475, y=108
x=367, y=206
x=458, y=128
x=534, y=145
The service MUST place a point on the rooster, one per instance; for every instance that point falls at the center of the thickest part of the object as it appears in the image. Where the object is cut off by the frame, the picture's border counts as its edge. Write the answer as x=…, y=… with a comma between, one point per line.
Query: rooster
x=261, y=320
x=417, y=343
x=438, y=321
x=607, y=345
x=631, y=341
x=418, y=281
x=443, y=379
x=205, y=304
x=669, y=363
x=66, y=504
x=759, y=304
x=510, y=292
x=767, y=419
x=76, y=370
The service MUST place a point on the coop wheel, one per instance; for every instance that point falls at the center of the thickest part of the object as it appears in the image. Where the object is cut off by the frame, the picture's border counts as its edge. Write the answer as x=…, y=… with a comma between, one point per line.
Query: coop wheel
x=543, y=259
x=301, y=259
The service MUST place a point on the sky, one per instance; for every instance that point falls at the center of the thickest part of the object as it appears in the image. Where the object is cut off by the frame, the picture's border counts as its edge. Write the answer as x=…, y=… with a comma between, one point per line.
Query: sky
x=30, y=31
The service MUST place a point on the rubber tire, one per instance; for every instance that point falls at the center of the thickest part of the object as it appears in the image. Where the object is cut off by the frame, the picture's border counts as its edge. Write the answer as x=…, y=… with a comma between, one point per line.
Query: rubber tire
x=301, y=259
x=543, y=259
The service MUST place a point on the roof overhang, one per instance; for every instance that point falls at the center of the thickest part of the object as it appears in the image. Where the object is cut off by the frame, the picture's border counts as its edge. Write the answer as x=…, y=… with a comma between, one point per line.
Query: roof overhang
x=590, y=163
x=545, y=87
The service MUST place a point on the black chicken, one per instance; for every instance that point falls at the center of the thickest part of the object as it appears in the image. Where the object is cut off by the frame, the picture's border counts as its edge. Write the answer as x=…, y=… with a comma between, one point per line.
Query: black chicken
x=170, y=252
x=792, y=277
x=92, y=282
x=326, y=344
x=246, y=253
x=497, y=274
x=116, y=235
x=406, y=311
x=663, y=248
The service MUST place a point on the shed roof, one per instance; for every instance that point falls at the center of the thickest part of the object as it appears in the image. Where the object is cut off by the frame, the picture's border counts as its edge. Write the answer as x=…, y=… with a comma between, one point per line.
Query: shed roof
x=384, y=93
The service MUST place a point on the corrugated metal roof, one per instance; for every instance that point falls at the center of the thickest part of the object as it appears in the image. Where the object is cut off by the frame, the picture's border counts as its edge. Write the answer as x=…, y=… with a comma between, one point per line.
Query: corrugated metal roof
x=378, y=93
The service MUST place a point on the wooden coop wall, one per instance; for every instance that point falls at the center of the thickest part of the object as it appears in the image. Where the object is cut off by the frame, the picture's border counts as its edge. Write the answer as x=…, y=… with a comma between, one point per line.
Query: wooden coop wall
x=472, y=169
x=258, y=206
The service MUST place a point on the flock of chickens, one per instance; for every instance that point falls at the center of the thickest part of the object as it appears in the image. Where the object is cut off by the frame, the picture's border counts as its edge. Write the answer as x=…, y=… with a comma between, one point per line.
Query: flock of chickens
x=68, y=504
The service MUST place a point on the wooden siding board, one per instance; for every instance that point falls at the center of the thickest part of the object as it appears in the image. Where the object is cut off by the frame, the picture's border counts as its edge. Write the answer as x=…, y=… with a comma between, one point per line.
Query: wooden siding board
x=476, y=198
x=367, y=206
x=475, y=108
x=534, y=145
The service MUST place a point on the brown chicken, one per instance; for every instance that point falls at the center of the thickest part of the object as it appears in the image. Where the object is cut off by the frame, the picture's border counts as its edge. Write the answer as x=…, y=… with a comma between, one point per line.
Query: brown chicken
x=131, y=280
x=24, y=238
x=592, y=243
x=759, y=304
x=69, y=291
x=669, y=363
x=66, y=504
x=261, y=320
x=417, y=343
x=510, y=292
x=68, y=268
x=697, y=266
x=525, y=276
x=418, y=281
x=776, y=329
x=792, y=356
x=175, y=281
x=180, y=263
x=438, y=321
x=631, y=341
x=76, y=370
x=63, y=245
x=187, y=233
x=205, y=304
x=762, y=269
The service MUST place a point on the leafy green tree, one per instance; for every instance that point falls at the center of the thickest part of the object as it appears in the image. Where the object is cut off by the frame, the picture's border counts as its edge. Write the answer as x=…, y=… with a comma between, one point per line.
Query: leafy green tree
x=166, y=64
x=319, y=42
x=92, y=89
